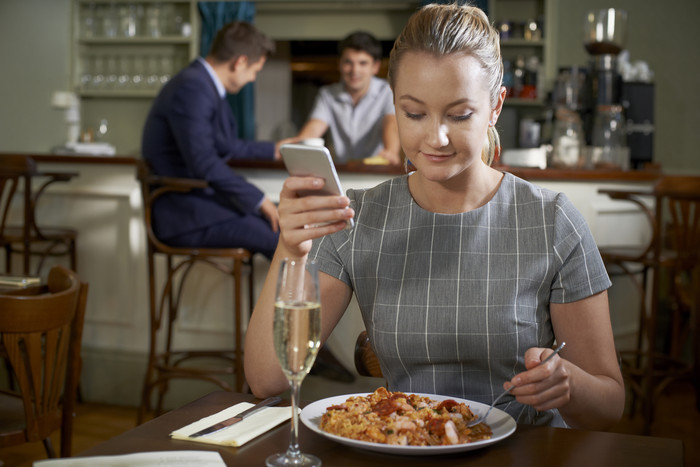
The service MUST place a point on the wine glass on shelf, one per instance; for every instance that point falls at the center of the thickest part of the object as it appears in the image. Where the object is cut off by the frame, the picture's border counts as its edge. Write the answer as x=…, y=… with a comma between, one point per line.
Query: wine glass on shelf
x=297, y=338
x=138, y=75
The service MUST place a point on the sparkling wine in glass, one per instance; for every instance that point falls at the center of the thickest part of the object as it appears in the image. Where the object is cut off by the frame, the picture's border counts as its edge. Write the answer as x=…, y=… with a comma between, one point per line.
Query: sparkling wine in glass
x=297, y=337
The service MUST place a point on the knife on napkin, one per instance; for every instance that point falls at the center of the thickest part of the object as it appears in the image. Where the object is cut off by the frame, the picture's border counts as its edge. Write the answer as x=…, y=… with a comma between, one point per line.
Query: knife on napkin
x=270, y=401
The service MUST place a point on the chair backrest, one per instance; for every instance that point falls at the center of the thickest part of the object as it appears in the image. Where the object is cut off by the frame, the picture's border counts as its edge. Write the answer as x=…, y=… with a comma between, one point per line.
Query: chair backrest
x=41, y=335
x=13, y=168
x=366, y=361
x=152, y=188
x=678, y=219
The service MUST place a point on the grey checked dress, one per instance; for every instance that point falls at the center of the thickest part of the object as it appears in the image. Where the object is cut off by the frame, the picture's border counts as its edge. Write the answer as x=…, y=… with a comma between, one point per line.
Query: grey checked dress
x=451, y=302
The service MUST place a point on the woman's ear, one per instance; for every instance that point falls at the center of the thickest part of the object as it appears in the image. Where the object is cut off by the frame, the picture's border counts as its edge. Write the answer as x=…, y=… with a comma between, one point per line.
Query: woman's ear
x=496, y=111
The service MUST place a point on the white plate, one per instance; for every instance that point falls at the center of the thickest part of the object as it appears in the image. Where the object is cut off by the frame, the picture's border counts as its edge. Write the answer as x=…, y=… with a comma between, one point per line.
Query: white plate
x=502, y=425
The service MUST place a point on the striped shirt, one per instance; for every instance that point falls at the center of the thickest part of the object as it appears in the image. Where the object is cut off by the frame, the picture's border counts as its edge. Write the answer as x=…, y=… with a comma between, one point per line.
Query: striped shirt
x=452, y=301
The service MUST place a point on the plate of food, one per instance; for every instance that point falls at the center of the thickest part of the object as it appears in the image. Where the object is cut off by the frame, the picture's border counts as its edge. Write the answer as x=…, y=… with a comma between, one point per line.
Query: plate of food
x=406, y=423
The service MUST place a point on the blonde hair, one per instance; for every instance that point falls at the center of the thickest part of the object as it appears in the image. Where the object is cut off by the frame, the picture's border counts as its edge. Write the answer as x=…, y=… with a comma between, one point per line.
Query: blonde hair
x=449, y=29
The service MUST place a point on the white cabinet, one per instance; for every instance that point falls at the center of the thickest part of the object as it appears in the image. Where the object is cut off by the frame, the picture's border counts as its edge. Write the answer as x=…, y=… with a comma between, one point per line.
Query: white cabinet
x=130, y=48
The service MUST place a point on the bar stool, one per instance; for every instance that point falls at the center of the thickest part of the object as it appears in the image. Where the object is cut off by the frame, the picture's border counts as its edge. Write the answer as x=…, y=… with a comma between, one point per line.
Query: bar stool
x=30, y=239
x=165, y=362
x=673, y=253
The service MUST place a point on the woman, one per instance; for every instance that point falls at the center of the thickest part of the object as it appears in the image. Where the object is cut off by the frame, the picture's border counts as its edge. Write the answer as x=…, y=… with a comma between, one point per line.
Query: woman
x=465, y=275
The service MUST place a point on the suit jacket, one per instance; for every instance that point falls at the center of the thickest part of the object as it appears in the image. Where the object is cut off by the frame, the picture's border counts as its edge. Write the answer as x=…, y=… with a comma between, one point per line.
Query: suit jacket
x=191, y=132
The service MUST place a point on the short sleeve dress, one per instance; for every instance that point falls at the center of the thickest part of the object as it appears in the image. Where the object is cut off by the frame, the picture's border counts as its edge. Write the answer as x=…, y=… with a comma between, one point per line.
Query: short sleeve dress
x=451, y=302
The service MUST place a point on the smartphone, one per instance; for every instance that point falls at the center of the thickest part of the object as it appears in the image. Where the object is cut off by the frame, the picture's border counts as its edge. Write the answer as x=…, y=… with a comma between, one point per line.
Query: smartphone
x=306, y=161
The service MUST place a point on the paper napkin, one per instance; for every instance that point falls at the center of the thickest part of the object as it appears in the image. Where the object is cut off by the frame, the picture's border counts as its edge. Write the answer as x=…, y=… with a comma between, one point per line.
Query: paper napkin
x=141, y=459
x=237, y=434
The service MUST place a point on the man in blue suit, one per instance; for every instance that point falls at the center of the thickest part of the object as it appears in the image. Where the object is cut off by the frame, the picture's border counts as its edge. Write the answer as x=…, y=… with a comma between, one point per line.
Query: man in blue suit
x=190, y=132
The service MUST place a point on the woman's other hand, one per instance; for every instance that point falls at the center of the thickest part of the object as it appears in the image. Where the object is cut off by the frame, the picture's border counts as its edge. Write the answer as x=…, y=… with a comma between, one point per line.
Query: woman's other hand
x=544, y=387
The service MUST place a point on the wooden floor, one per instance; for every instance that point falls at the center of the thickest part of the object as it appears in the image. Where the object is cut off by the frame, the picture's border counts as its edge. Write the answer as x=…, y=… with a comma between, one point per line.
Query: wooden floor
x=676, y=417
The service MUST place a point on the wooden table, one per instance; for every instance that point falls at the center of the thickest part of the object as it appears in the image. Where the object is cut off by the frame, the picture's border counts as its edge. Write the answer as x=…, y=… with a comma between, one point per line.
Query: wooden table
x=528, y=446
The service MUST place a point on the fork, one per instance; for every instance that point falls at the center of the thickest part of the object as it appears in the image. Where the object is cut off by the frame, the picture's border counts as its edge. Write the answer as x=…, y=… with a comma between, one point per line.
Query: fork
x=483, y=417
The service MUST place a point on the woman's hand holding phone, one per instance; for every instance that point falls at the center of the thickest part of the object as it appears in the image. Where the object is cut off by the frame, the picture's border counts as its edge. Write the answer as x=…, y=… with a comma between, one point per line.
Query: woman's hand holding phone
x=303, y=218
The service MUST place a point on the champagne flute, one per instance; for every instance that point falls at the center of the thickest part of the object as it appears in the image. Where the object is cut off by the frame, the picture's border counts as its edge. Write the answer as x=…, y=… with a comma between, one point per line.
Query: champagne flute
x=297, y=337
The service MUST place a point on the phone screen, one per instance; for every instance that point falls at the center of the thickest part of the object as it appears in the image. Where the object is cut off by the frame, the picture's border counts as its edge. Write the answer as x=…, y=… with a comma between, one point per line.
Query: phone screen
x=305, y=161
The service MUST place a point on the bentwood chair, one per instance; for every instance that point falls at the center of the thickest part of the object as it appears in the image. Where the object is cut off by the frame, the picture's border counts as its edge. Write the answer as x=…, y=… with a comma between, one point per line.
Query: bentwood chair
x=165, y=361
x=673, y=259
x=30, y=239
x=366, y=361
x=40, y=335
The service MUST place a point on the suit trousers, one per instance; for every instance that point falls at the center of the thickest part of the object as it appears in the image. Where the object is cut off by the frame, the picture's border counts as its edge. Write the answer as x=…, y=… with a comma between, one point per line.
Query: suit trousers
x=252, y=232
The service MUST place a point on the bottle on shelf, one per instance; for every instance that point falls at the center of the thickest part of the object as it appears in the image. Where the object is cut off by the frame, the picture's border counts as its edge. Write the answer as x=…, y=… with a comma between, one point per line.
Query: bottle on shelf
x=518, y=76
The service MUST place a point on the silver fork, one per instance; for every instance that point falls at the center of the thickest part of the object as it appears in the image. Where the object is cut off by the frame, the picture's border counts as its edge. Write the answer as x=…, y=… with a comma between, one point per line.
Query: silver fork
x=483, y=417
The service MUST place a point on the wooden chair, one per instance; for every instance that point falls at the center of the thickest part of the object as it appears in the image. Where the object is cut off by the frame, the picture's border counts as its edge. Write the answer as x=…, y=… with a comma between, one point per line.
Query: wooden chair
x=673, y=258
x=30, y=239
x=40, y=335
x=164, y=361
x=366, y=361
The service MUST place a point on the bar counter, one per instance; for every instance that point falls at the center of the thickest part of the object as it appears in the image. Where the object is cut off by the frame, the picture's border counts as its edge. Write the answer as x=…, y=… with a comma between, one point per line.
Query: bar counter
x=358, y=167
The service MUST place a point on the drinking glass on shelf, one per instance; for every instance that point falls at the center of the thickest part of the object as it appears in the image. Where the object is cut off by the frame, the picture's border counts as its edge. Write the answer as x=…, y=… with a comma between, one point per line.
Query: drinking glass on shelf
x=166, y=68
x=297, y=338
x=152, y=75
x=138, y=75
x=124, y=77
x=110, y=19
x=130, y=18
x=88, y=20
x=96, y=68
x=153, y=20
x=111, y=77
x=88, y=68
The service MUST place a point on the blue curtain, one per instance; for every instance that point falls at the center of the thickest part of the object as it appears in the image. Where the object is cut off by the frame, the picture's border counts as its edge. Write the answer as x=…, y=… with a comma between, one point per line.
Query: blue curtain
x=483, y=4
x=214, y=15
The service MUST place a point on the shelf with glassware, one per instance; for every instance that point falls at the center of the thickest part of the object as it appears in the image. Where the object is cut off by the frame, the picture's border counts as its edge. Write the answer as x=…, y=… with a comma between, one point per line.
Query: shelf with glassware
x=130, y=49
x=135, y=40
x=525, y=28
x=115, y=70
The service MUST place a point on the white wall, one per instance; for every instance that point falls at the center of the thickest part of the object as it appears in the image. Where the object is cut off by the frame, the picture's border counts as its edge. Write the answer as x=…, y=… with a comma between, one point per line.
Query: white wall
x=34, y=53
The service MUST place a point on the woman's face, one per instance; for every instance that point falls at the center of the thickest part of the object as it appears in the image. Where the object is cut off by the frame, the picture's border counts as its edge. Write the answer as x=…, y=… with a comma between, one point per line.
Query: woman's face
x=443, y=112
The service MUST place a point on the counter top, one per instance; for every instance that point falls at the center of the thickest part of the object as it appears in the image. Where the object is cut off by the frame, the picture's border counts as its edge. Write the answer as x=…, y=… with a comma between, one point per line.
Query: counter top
x=357, y=167
x=578, y=175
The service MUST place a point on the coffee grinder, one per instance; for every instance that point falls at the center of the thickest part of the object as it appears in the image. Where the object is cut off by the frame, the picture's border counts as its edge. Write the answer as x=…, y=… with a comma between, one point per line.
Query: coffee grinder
x=604, y=38
x=605, y=33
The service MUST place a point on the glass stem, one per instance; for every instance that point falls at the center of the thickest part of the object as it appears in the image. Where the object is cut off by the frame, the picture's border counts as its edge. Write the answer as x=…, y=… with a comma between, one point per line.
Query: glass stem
x=293, y=451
